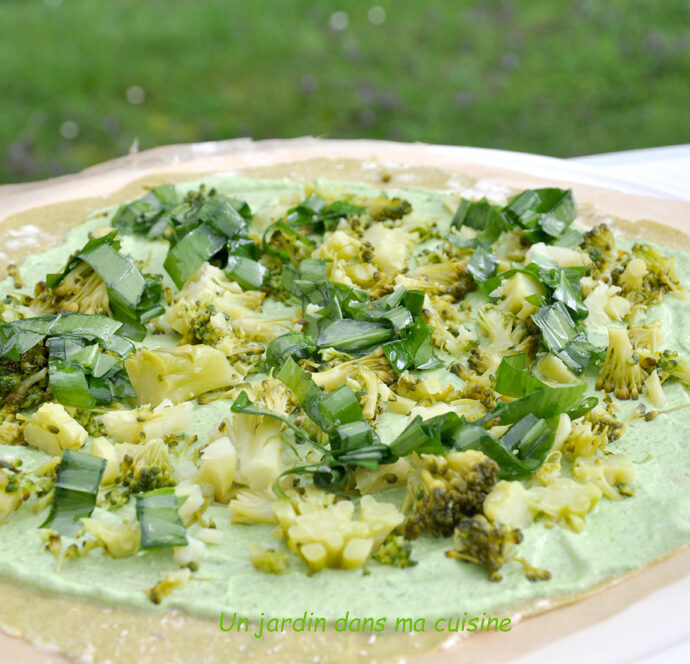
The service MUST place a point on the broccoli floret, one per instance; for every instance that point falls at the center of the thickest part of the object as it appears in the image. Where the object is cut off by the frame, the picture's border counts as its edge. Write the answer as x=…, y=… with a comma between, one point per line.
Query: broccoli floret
x=604, y=423
x=269, y=561
x=388, y=208
x=170, y=581
x=506, y=331
x=425, y=390
x=480, y=388
x=294, y=246
x=447, y=334
x=479, y=541
x=452, y=277
x=209, y=293
x=583, y=440
x=339, y=371
x=600, y=244
x=662, y=269
x=24, y=384
x=444, y=489
x=621, y=372
x=147, y=469
x=395, y=551
x=482, y=361
x=671, y=364
x=646, y=277
x=82, y=291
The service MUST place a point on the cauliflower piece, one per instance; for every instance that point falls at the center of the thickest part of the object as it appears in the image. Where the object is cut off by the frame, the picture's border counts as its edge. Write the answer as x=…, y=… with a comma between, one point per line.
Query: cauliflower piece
x=648, y=337
x=603, y=303
x=655, y=391
x=209, y=285
x=146, y=422
x=563, y=429
x=117, y=539
x=193, y=552
x=505, y=332
x=349, y=260
x=391, y=247
x=103, y=448
x=632, y=277
x=554, y=368
x=386, y=477
x=177, y=579
x=190, y=501
x=269, y=561
x=611, y=474
x=322, y=537
x=565, y=501
x=258, y=439
x=549, y=471
x=179, y=373
x=562, y=256
x=9, y=500
x=324, y=533
x=210, y=535
x=52, y=430
x=11, y=430
x=217, y=468
x=514, y=292
x=381, y=518
x=253, y=506
x=621, y=372
x=508, y=503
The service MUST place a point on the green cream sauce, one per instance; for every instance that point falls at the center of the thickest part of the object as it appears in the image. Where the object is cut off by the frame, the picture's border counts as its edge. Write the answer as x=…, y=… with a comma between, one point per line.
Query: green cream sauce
x=619, y=535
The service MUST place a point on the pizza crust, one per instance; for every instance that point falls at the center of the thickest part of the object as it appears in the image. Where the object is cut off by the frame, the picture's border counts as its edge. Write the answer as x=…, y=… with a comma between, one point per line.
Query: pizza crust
x=82, y=629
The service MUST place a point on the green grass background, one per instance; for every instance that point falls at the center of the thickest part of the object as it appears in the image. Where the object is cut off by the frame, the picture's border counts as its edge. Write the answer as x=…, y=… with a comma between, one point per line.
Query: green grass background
x=551, y=77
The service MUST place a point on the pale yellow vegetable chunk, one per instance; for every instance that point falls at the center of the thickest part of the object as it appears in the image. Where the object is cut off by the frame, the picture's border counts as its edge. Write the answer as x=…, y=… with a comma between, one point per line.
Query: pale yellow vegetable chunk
x=178, y=373
x=52, y=430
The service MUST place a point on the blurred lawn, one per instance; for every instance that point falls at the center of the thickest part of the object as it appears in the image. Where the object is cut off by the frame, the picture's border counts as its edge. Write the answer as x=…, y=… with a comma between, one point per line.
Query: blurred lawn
x=81, y=79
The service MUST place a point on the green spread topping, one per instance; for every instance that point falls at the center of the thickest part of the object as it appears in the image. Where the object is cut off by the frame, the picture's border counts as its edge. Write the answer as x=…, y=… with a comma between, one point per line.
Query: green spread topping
x=378, y=379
